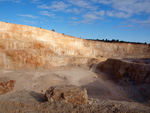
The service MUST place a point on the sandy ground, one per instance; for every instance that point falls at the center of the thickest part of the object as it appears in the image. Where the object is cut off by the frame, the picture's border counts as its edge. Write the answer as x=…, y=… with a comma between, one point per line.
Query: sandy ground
x=31, y=85
x=41, y=80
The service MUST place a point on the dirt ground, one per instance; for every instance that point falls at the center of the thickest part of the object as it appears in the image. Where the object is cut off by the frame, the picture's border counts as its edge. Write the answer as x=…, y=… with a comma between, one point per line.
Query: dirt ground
x=105, y=95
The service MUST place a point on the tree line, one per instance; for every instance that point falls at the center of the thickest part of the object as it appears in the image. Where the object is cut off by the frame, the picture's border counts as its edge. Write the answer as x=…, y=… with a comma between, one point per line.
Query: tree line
x=116, y=41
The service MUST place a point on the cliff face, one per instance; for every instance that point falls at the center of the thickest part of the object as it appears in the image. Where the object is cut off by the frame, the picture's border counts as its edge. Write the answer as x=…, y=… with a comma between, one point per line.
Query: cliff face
x=129, y=73
x=138, y=72
x=29, y=47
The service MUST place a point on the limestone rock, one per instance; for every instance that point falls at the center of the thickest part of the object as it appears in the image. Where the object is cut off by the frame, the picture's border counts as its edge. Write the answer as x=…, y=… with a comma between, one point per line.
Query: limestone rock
x=69, y=94
x=6, y=85
x=29, y=47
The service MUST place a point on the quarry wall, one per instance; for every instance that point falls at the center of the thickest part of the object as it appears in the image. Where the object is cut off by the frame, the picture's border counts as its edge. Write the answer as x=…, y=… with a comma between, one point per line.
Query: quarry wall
x=129, y=73
x=29, y=47
x=138, y=72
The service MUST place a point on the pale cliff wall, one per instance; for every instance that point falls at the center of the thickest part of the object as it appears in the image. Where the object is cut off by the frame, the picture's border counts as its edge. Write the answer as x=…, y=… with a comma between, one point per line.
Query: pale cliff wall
x=25, y=46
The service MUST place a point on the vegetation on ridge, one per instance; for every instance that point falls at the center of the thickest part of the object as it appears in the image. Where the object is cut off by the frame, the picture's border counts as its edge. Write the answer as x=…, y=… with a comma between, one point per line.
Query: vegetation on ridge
x=115, y=41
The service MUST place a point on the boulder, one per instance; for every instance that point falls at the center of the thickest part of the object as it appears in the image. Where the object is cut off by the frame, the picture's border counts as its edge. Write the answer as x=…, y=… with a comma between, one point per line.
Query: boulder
x=69, y=94
x=6, y=85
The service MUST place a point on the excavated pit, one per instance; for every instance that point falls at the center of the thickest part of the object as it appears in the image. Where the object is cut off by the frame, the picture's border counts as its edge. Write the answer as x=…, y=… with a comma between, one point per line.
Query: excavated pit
x=104, y=91
x=35, y=59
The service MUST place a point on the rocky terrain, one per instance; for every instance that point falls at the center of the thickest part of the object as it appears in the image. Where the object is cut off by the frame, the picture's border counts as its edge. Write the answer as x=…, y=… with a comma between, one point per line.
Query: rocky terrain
x=115, y=75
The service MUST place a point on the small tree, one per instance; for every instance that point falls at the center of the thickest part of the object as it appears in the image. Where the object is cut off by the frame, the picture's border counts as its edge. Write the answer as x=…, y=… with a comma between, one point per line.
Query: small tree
x=53, y=30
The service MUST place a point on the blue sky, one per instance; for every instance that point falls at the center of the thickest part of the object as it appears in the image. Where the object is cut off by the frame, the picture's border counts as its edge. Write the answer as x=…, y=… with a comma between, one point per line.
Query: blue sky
x=127, y=20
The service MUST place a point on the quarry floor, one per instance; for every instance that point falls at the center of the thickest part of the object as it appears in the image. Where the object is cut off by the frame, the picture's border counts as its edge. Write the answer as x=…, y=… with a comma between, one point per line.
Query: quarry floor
x=105, y=95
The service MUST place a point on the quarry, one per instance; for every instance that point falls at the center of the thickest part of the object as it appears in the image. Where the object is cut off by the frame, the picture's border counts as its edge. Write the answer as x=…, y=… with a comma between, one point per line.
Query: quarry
x=82, y=76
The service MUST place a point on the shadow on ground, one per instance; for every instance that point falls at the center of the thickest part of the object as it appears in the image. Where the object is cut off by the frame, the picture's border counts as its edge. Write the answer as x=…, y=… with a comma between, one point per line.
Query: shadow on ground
x=38, y=96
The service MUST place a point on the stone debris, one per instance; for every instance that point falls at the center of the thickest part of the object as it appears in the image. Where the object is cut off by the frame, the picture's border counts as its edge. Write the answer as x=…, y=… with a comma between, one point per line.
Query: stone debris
x=6, y=85
x=68, y=94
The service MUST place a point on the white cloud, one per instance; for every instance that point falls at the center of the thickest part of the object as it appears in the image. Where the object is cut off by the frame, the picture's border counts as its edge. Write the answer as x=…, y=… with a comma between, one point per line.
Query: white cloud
x=132, y=6
x=30, y=22
x=74, y=22
x=83, y=7
x=27, y=15
x=90, y=17
x=44, y=6
x=129, y=25
x=91, y=10
x=56, y=6
x=74, y=18
x=17, y=1
x=62, y=6
x=103, y=1
x=118, y=14
x=74, y=10
x=100, y=13
x=143, y=22
x=128, y=6
x=136, y=22
x=46, y=13
x=35, y=1
x=83, y=4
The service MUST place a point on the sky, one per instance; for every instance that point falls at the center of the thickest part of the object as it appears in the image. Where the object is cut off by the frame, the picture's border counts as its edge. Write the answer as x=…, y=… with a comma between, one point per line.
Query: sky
x=127, y=20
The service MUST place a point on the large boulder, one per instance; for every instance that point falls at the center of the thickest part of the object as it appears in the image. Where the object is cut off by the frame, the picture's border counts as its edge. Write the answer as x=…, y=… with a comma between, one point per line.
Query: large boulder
x=69, y=94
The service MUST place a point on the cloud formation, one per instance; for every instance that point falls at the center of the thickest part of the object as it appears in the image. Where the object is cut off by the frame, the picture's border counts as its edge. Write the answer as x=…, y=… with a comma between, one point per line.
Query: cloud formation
x=28, y=15
x=88, y=8
x=118, y=14
x=30, y=22
x=17, y=1
x=91, y=16
x=92, y=10
x=55, y=6
x=83, y=4
x=128, y=6
x=46, y=13
x=35, y=1
x=143, y=22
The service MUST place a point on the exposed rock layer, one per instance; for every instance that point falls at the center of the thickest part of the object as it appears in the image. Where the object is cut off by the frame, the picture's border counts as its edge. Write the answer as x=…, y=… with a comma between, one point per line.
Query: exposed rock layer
x=29, y=47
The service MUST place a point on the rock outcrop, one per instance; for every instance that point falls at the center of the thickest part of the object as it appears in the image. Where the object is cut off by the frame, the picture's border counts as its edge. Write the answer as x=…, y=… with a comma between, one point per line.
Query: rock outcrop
x=69, y=94
x=133, y=75
x=138, y=72
x=29, y=47
x=6, y=85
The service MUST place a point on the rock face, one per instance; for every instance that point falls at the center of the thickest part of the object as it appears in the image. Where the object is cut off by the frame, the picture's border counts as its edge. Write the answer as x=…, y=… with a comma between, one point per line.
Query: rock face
x=130, y=73
x=29, y=47
x=6, y=85
x=138, y=72
x=69, y=94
